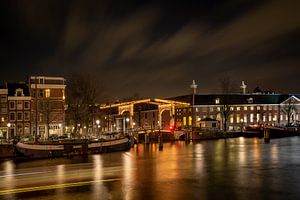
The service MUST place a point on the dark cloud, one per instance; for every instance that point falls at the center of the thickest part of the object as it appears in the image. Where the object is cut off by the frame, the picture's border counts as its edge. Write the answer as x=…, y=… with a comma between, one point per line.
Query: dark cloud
x=154, y=48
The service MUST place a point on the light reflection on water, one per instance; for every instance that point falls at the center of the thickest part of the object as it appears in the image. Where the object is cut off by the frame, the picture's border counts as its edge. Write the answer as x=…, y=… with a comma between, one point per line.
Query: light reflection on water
x=240, y=168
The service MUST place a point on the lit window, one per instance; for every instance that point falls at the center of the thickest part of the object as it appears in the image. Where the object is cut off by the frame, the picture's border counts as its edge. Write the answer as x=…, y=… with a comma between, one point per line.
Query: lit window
x=258, y=108
x=238, y=108
x=245, y=108
x=211, y=109
x=264, y=118
x=232, y=108
x=47, y=93
x=252, y=107
x=258, y=117
x=218, y=109
x=281, y=117
x=270, y=117
x=245, y=118
x=190, y=120
x=217, y=101
x=63, y=94
x=238, y=118
x=184, y=121
x=251, y=117
x=231, y=119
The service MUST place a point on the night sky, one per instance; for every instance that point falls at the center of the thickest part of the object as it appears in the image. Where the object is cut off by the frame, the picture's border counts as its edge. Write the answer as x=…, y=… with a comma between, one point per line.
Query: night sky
x=154, y=48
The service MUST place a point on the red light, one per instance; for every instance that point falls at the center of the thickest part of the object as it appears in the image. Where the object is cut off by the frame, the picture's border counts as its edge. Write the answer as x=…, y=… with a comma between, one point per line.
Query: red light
x=171, y=127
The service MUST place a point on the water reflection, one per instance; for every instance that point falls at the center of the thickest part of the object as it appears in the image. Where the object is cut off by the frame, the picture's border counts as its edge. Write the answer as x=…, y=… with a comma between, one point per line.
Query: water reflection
x=239, y=168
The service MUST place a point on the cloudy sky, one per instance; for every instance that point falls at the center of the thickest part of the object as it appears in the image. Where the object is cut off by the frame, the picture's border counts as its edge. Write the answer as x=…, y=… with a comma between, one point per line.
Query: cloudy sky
x=154, y=48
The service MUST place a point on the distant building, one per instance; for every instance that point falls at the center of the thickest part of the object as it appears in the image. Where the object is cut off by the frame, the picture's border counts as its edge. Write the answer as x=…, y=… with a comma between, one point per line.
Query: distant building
x=244, y=109
x=19, y=105
x=48, y=105
x=3, y=111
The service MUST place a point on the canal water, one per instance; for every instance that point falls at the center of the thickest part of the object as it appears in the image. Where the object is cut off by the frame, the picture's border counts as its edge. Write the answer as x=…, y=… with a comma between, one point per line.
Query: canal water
x=236, y=168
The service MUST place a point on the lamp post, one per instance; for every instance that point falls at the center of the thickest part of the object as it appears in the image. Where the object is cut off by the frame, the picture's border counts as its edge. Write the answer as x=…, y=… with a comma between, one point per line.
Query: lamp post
x=8, y=128
x=127, y=121
x=98, y=126
x=194, y=88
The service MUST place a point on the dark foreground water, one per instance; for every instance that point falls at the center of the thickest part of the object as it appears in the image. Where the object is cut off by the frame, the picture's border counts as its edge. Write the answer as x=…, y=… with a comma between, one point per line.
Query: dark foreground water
x=221, y=169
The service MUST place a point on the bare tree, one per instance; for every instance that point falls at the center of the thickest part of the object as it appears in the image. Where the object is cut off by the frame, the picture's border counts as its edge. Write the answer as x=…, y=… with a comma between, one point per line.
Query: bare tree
x=290, y=109
x=227, y=87
x=83, y=91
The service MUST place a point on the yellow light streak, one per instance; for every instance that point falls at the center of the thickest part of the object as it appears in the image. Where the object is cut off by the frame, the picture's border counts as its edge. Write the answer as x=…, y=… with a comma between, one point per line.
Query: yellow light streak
x=51, y=187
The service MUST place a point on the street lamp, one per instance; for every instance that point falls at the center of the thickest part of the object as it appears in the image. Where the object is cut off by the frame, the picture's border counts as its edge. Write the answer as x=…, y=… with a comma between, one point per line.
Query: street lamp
x=98, y=126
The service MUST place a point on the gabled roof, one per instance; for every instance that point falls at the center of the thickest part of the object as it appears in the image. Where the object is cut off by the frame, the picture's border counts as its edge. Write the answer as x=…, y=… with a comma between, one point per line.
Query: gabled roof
x=235, y=99
x=12, y=87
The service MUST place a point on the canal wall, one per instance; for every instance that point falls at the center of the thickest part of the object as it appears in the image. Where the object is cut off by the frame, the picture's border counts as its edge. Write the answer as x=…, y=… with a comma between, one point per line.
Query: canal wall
x=7, y=150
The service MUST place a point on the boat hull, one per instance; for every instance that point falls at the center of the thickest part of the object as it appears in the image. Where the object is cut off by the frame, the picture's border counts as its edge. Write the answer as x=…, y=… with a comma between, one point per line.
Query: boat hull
x=70, y=149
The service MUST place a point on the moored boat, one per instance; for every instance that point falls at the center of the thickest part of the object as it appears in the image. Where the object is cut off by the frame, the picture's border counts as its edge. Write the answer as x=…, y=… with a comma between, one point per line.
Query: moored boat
x=69, y=148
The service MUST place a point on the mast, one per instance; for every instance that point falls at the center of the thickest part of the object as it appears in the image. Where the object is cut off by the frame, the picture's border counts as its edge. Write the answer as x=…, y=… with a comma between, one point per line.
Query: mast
x=36, y=111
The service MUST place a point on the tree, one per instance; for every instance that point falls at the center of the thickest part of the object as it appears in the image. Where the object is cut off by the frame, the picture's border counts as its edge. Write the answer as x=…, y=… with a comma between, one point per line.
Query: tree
x=289, y=109
x=83, y=91
x=227, y=87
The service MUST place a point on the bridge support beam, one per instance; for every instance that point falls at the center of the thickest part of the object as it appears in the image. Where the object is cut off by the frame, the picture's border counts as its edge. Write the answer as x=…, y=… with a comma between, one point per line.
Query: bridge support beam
x=267, y=135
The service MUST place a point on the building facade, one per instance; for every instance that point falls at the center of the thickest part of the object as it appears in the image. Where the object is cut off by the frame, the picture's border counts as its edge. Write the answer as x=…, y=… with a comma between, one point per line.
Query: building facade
x=3, y=112
x=19, y=114
x=48, y=105
x=240, y=110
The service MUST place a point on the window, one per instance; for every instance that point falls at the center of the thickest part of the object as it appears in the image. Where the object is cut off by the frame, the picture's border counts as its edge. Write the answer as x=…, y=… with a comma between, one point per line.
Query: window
x=20, y=129
x=231, y=119
x=12, y=105
x=238, y=118
x=258, y=117
x=190, y=120
x=245, y=108
x=211, y=109
x=27, y=116
x=19, y=92
x=2, y=119
x=270, y=117
x=232, y=108
x=245, y=119
x=251, y=117
x=252, y=108
x=3, y=99
x=238, y=108
x=275, y=118
x=26, y=105
x=20, y=116
x=27, y=129
x=218, y=109
x=12, y=116
x=47, y=93
x=184, y=121
x=217, y=101
x=63, y=94
x=41, y=93
x=258, y=108
x=19, y=105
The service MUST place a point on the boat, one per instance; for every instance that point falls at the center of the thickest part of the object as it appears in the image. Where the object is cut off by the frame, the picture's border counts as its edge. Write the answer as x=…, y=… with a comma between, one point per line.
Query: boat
x=70, y=148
